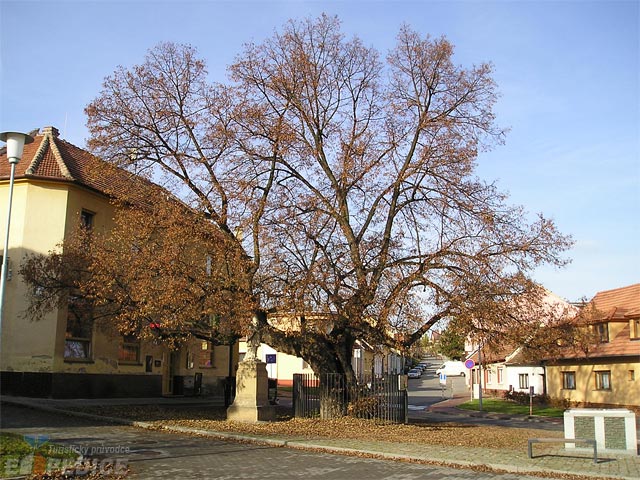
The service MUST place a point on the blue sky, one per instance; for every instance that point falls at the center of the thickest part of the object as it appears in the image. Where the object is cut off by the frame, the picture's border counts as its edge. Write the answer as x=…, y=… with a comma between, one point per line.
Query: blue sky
x=568, y=73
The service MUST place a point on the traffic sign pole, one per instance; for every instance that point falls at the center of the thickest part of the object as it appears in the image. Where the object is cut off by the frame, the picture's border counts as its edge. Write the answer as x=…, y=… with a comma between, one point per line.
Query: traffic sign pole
x=470, y=364
x=443, y=383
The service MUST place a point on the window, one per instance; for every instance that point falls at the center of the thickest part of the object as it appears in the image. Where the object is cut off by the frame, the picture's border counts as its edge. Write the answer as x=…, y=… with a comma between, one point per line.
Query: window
x=603, y=380
x=205, y=358
x=77, y=345
x=189, y=358
x=602, y=330
x=129, y=351
x=86, y=219
x=489, y=376
x=523, y=380
x=632, y=375
x=569, y=380
x=635, y=329
x=500, y=375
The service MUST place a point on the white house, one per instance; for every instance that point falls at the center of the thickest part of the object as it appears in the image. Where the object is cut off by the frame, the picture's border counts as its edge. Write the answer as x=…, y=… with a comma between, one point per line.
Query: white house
x=508, y=369
x=508, y=372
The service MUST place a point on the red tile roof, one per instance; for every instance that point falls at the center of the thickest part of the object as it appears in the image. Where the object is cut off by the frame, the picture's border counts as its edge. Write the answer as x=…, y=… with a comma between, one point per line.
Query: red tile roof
x=619, y=346
x=618, y=304
x=51, y=158
x=494, y=353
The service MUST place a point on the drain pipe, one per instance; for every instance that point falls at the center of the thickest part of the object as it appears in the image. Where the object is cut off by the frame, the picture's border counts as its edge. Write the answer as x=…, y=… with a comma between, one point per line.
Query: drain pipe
x=480, y=378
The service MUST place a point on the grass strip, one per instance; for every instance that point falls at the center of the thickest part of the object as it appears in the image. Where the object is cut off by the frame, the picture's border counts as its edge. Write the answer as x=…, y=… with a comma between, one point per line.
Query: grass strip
x=496, y=405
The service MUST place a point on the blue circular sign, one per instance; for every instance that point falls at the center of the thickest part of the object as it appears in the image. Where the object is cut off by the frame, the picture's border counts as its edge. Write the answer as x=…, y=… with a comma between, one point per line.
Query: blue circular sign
x=469, y=364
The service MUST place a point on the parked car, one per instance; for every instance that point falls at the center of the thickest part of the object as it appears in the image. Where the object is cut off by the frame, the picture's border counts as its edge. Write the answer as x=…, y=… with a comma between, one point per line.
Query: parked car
x=414, y=373
x=452, y=368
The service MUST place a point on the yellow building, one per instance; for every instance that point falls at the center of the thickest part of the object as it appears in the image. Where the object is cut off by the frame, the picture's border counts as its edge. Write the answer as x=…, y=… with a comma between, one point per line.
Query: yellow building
x=280, y=366
x=55, y=189
x=608, y=374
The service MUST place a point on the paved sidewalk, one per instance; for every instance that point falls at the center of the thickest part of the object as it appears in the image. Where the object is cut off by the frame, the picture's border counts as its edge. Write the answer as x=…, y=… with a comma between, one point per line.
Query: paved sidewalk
x=549, y=459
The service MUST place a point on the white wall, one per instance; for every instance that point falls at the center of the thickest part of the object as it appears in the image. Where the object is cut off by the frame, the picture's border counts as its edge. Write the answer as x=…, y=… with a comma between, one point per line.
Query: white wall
x=511, y=377
x=536, y=378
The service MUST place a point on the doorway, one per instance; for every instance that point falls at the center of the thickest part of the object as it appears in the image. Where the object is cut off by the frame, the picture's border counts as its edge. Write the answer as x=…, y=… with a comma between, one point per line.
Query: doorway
x=168, y=372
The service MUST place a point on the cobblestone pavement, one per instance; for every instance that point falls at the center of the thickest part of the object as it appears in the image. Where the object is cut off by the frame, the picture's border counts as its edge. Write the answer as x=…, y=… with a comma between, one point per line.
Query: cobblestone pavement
x=152, y=454
x=155, y=454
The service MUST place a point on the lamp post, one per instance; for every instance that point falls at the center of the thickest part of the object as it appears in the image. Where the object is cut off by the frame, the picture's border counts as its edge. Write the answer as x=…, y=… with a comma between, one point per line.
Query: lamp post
x=15, y=145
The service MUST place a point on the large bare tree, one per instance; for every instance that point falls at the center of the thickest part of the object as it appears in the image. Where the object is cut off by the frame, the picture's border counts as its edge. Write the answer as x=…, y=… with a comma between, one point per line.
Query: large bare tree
x=346, y=177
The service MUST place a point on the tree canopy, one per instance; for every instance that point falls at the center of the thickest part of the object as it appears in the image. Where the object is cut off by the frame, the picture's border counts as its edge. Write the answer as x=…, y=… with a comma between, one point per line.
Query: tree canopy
x=159, y=265
x=346, y=177
x=451, y=343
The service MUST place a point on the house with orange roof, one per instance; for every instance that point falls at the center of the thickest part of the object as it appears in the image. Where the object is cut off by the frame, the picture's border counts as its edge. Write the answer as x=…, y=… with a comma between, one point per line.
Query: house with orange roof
x=57, y=187
x=506, y=365
x=607, y=372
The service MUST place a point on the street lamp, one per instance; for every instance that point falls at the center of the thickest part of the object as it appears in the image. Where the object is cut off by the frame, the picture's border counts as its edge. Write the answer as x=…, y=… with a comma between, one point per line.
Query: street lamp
x=15, y=145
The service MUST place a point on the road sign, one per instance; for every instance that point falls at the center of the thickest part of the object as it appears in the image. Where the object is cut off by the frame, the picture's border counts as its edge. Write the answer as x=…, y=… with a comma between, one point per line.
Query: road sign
x=469, y=364
x=271, y=358
x=443, y=379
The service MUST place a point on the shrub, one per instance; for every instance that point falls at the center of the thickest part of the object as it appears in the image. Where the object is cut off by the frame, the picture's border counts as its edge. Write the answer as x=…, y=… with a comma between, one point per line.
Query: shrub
x=522, y=398
x=365, y=407
x=564, y=403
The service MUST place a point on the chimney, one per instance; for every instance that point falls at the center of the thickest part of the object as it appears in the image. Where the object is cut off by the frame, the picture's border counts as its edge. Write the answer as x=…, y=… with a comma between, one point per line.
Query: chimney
x=51, y=131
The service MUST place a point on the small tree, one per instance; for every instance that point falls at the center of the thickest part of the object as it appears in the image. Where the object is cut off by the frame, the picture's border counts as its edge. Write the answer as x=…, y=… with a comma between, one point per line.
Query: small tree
x=451, y=343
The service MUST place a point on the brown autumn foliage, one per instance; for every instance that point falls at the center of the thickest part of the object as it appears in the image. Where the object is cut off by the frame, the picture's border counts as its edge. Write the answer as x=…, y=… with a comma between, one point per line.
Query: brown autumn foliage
x=540, y=327
x=345, y=177
x=356, y=429
x=168, y=279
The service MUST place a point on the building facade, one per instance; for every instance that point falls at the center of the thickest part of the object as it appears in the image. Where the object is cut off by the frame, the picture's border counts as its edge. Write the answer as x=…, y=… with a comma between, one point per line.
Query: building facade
x=608, y=373
x=61, y=355
x=508, y=372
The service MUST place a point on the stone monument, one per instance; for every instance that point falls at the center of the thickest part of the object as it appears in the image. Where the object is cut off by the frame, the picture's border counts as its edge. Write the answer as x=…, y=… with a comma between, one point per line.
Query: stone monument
x=252, y=387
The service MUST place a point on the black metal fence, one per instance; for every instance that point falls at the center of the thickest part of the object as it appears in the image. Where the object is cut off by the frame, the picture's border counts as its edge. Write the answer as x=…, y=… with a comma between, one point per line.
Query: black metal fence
x=380, y=398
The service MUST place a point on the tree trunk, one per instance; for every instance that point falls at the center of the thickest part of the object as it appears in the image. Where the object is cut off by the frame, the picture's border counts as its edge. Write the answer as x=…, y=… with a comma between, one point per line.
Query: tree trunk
x=336, y=379
x=333, y=396
x=329, y=355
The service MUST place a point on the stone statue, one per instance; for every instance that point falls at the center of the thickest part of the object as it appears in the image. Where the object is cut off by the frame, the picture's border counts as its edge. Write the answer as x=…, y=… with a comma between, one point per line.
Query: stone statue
x=253, y=341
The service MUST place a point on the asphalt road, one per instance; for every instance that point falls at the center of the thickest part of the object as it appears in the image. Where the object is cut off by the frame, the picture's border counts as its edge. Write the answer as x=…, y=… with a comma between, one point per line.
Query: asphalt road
x=427, y=390
x=154, y=455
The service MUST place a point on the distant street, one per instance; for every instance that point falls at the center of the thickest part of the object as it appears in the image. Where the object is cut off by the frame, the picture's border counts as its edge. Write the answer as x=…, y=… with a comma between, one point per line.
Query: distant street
x=427, y=390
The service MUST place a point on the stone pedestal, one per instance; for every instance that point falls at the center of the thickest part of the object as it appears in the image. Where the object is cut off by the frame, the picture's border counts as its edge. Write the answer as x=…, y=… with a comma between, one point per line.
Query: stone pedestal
x=614, y=430
x=252, y=394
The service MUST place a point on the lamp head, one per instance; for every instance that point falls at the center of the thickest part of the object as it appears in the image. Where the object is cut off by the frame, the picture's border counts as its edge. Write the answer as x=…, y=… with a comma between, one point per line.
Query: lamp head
x=15, y=144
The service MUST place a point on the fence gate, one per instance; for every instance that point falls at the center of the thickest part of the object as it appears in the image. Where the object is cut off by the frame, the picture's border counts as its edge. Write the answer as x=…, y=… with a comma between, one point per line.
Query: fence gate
x=381, y=398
